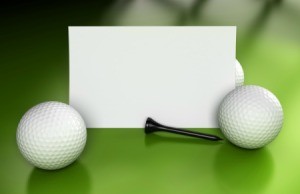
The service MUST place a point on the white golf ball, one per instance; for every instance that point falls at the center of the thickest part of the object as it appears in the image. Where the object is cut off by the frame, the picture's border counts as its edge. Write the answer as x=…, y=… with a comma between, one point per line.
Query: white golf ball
x=250, y=117
x=239, y=74
x=51, y=135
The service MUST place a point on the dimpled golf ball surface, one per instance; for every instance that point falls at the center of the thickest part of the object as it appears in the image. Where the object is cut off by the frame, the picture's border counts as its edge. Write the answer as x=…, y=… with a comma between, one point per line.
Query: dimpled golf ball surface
x=239, y=74
x=250, y=117
x=51, y=135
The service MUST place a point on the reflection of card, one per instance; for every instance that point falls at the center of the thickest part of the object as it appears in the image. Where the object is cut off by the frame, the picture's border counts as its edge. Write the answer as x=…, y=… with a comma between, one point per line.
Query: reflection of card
x=177, y=75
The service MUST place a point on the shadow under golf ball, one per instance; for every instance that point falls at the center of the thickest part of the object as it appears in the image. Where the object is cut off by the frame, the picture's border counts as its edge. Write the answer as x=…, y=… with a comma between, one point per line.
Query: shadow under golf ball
x=239, y=170
x=72, y=179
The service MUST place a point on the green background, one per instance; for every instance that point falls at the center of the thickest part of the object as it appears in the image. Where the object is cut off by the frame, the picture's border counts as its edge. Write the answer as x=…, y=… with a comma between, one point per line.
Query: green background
x=34, y=68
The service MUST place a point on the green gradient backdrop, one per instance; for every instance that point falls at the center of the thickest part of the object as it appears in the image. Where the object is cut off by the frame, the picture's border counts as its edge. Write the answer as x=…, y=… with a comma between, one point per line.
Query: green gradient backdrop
x=34, y=68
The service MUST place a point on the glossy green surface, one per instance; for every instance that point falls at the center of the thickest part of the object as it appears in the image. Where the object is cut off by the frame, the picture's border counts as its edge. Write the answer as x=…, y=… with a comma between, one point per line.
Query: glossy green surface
x=34, y=68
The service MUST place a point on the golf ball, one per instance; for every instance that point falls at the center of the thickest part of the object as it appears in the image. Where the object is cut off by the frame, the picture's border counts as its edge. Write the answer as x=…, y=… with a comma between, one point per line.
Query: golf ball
x=250, y=117
x=239, y=74
x=51, y=135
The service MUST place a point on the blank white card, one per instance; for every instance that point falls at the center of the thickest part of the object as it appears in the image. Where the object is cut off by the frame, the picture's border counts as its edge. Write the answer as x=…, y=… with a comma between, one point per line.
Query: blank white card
x=119, y=76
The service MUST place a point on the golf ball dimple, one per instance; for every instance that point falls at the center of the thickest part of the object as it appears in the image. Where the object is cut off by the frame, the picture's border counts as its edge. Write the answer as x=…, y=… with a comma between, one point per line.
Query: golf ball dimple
x=51, y=135
x=239, y=74
x=250, y=117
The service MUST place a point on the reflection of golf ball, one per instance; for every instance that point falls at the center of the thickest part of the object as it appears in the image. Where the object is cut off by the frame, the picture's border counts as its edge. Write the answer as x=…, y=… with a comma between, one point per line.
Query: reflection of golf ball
x=250, y=117
x=239, y=74
x=51, y=135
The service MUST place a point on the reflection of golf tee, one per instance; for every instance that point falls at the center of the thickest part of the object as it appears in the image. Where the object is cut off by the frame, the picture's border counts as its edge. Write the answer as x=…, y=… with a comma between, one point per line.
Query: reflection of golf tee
x=152, y=126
